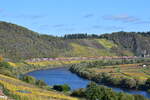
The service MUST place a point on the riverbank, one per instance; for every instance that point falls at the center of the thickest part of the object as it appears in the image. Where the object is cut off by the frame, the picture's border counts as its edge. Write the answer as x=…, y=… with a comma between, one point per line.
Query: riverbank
x=45, y=63
x=61, y=75
x=64, y=76
x=105, y=74
x=25, y=67
x=19, y=90
x=113, y=73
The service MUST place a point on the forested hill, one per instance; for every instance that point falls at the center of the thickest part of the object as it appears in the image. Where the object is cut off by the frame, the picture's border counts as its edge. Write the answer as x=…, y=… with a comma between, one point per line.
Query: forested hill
x=138, y=43
x=17, y=43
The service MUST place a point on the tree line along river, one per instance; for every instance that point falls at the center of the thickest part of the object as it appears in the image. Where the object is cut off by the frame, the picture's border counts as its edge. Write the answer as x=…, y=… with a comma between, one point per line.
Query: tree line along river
x=64, y=76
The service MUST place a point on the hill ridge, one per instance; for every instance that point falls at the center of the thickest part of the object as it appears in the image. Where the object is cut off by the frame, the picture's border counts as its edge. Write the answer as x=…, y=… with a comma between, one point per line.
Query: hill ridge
x=19, y=43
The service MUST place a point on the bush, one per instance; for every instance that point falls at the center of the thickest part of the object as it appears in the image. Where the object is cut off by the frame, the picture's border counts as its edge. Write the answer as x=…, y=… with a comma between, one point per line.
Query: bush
x=124, y=96
x=6, y=72
x=114, y=81
x=61, y=88
x=147, y=83
x=139, y=97
x=96, y=92
x=6, y=69
x=78, y=93
x=29, y=79
x=5, y=65
x=40, y=83
x=128, y=83
x=49, y=88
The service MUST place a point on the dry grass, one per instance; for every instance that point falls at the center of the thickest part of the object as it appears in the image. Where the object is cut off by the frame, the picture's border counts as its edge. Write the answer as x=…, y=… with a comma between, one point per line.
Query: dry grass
x=13, y=85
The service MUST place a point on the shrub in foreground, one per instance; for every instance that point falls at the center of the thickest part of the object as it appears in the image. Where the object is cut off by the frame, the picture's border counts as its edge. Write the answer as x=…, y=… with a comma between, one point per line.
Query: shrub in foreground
x=98, y=92
x=40, y=83
x=78, y=93
x=61, y=88
x=29, y=79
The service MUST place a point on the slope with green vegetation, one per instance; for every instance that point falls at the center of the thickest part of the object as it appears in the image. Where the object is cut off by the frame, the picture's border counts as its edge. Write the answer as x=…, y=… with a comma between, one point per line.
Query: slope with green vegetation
x=17, y=86
x=19, y=90
x=28, y=88
x=128, y=74
x=98, y=92
x=19, y=43
x=138, y=43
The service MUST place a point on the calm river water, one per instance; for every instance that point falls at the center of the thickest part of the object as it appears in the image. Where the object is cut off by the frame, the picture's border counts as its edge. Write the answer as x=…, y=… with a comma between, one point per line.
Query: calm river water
x=64, y=76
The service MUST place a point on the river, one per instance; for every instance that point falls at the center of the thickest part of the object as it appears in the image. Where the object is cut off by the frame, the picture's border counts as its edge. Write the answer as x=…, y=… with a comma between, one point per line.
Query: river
x=64, y=76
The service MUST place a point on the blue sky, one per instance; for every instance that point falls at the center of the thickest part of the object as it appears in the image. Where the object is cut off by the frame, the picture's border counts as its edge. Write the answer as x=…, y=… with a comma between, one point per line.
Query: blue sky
x=59, y=17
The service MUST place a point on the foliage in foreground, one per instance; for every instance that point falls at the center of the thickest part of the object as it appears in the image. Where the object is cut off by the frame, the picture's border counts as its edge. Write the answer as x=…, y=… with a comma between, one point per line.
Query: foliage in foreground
x=96, y=92
x=6, y=69
x=22, y=91
x=32, y=80
x=61, y=88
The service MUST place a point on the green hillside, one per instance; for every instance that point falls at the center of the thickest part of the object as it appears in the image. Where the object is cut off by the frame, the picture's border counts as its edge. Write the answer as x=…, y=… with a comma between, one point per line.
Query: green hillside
x=19, y=43
x=138, y=43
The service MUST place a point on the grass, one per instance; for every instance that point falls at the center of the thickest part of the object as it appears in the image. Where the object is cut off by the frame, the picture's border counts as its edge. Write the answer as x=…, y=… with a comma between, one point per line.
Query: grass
x=57, y=63
x=110, y=44
x=137, y=75
x=25, y=67
x=127, y=53
x=2, y=99
x=44, y=63
x=89, y=51
x=13, y=85
x=18, y=64
x=106, y=43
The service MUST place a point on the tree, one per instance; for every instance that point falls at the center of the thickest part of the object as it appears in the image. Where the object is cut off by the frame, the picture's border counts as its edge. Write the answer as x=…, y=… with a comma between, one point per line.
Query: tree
x=128, y=83
x=5, y=65
x=139, y=97
x=6, y=72
x=78, y=93
x=96, y=92
x=124, y=96
x=147, y=83
x=63, y=87
x=29, y=79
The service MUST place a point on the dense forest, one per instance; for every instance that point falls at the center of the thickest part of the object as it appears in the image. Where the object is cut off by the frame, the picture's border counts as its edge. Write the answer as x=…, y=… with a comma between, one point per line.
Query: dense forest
x=19, y=43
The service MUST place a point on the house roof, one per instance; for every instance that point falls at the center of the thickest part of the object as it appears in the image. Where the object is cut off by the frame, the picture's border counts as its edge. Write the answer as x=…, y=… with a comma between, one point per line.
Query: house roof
x=1, y=93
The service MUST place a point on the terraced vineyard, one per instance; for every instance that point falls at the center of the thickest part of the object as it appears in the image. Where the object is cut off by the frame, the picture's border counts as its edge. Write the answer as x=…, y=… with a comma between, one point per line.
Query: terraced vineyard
x=128, y=74
x=136, y=71
x=23, y=91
